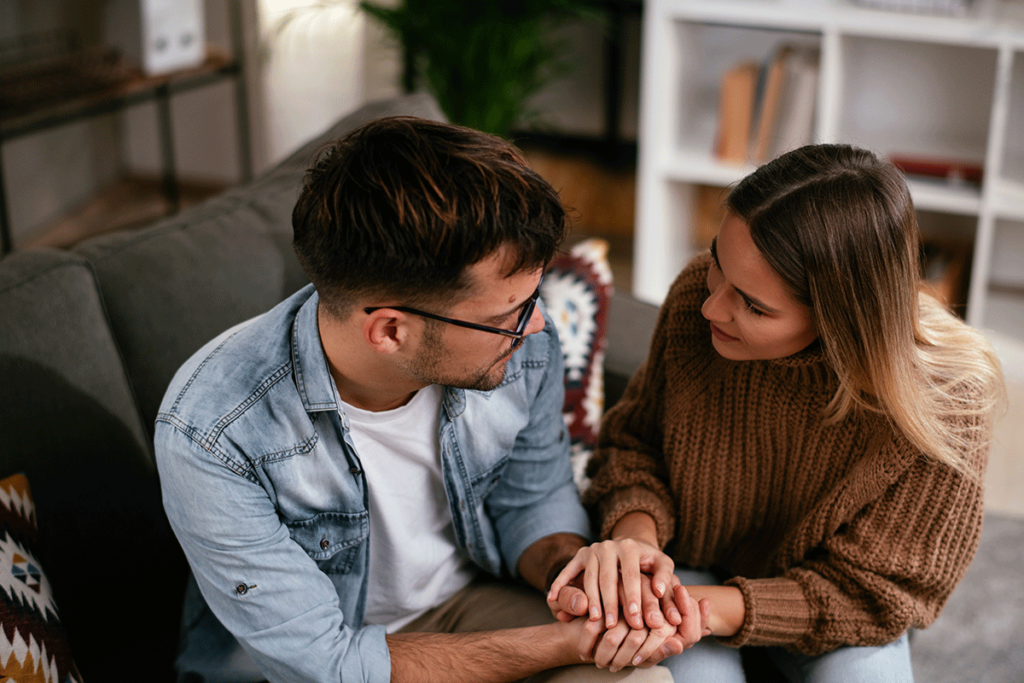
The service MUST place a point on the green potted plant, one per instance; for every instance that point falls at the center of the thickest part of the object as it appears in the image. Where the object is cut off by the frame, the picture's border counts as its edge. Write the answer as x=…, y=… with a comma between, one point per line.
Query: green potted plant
x=482, y=60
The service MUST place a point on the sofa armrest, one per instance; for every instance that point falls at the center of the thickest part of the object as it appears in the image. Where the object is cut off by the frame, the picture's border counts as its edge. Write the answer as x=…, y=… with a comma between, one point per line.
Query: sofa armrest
x=630, y=328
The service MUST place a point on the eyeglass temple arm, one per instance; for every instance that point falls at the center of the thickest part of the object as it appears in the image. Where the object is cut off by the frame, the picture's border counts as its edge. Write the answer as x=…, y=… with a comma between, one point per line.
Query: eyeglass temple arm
x=450, y=321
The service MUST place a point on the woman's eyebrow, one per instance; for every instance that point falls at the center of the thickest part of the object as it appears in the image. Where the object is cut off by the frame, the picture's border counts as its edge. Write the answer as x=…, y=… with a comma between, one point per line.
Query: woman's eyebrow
x=753, y=301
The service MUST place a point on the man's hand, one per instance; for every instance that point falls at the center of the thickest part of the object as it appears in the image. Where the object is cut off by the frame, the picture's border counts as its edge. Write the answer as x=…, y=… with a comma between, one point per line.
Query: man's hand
x=621, y=645
x=570, y=601
x=540, y=562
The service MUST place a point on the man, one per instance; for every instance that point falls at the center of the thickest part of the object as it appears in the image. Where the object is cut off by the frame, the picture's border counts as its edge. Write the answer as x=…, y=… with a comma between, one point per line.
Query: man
x=348, y=472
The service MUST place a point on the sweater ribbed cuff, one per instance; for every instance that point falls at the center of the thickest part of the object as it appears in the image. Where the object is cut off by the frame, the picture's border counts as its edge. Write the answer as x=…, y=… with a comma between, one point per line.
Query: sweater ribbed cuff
x=778, y=614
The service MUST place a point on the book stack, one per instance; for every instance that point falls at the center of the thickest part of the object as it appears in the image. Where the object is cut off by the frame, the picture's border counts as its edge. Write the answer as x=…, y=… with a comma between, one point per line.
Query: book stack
x=767, y=108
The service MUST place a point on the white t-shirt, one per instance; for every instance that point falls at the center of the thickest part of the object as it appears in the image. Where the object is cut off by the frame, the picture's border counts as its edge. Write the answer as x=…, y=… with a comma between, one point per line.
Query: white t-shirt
x=415, y=561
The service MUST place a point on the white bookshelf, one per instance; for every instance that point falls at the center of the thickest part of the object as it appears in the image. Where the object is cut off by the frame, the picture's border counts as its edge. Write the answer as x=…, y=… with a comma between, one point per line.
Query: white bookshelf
x=930, y=86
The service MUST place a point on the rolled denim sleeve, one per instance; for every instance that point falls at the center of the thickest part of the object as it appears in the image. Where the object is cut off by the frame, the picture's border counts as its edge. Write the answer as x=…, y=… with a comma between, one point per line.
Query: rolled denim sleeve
x=260, y=584
x=537, y=496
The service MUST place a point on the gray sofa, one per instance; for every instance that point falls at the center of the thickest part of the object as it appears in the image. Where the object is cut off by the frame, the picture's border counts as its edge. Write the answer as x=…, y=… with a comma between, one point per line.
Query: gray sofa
x=89, y=339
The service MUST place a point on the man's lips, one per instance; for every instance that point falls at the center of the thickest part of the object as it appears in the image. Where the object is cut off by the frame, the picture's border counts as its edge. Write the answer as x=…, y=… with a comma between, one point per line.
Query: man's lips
x=719, y=334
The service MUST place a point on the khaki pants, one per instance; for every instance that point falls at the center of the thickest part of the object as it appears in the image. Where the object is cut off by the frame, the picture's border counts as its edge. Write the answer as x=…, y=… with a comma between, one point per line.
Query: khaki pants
x=491, y=605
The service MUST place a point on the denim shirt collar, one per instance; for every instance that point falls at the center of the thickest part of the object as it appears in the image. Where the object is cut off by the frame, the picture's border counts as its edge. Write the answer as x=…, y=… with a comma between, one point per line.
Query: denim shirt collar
x=313, y=375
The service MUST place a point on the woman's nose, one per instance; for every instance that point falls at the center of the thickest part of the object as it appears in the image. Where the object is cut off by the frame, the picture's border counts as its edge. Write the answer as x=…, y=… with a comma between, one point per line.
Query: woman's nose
x=714, y=307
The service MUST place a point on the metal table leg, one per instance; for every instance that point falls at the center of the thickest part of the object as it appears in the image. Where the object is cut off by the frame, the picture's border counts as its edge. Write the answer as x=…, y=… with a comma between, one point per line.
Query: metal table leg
x=6, y=246
x=170, y=175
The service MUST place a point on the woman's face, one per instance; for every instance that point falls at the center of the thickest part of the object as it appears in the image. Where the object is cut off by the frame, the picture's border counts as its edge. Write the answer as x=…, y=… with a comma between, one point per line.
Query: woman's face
x=753, y=316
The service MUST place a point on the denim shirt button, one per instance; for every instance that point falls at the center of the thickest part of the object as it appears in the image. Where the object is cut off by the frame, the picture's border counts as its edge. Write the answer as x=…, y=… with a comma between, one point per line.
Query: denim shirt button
x=355, y=470
x=324, y=544
x=241, y=589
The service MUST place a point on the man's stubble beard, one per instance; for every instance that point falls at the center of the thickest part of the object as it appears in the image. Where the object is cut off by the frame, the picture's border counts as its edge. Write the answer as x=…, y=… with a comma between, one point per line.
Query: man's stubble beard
x=429, y=366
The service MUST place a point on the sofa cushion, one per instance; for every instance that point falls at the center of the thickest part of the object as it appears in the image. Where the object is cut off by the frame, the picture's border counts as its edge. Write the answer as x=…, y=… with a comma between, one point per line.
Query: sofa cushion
x=576, y=290
x=174, y=286
x=631, y=325
x=55, y=332
x=32, y=638
x=69, y=422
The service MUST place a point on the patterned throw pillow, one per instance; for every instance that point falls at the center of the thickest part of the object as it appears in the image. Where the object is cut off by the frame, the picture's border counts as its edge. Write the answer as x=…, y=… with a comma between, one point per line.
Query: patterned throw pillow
x=576, y=291
x=33, y=645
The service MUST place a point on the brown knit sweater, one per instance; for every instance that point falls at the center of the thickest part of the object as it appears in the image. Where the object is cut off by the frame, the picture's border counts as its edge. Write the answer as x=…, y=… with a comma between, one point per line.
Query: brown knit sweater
x=837, y=534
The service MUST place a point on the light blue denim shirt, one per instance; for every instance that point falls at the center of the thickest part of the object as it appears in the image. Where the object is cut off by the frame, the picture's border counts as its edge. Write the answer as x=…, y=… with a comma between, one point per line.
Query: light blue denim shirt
x=266, y=494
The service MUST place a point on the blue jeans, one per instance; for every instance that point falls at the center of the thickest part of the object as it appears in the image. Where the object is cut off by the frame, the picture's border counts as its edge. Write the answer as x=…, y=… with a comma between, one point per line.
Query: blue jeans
x=711, y=662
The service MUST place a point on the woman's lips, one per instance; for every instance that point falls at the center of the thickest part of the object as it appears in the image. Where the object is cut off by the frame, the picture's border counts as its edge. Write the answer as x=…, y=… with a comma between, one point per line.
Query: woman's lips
x=717, y=331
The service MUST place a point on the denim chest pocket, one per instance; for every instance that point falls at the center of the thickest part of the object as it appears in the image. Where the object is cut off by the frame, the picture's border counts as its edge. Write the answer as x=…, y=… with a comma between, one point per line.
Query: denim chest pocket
x=484, y=483
x=332, y=539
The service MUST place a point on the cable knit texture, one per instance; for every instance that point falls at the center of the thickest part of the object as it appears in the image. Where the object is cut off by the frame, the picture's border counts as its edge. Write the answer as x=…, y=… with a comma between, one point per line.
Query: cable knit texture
x=837, y=534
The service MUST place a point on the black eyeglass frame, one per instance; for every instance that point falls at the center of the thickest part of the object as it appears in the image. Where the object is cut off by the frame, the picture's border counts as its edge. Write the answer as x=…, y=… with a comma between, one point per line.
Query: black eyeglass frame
x=517, y=335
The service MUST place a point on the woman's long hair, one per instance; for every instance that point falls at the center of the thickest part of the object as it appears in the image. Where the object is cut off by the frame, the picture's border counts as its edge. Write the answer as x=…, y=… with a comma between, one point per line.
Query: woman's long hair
x=838, y=225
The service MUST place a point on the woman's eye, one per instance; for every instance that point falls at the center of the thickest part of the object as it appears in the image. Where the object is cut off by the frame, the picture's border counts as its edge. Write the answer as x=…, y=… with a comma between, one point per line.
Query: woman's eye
x=752, y=309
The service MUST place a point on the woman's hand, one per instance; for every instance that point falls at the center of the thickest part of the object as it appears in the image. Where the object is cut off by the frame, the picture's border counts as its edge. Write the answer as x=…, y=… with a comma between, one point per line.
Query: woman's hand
x=622, y=646
x=610, y=572
x=646, y=647
x=695, y=622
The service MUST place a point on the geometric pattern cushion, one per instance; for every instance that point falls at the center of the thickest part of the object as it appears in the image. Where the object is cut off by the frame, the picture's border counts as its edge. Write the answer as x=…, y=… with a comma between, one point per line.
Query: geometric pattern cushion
x=33, y=645
x=576, y=290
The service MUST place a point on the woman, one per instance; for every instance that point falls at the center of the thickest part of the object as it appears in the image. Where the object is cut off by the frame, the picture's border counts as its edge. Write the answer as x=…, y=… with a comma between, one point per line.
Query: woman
x=807, y=438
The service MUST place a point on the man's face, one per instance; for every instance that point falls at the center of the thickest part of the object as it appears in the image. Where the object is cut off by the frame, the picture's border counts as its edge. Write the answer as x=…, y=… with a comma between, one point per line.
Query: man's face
x=474, y=359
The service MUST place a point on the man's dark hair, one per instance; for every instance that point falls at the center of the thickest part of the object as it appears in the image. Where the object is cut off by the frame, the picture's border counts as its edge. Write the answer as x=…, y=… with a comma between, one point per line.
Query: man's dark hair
x=401, y=206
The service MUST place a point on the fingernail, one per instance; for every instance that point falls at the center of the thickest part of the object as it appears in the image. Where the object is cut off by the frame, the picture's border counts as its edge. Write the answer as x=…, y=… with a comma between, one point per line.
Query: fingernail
x=654, y=619
x=660, y=588
x=595, y=613
x=633, y=608
x=637, y=660
x=665, y=651
x=575, y=604
x=674, y=614
x=609, y=620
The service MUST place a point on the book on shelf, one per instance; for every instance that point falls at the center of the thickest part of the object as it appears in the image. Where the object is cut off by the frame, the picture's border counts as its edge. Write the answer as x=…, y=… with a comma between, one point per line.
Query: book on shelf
x=955, y=171
x=735, y=111
x=767, y=108
x=794, y=124
x=769, y=94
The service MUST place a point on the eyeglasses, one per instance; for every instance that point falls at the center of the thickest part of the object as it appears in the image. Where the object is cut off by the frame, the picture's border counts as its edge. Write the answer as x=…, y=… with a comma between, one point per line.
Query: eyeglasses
x=516, y=335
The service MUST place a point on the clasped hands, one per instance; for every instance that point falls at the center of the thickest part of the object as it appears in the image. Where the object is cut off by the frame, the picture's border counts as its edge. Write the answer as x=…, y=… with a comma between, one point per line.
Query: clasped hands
x=628, y=605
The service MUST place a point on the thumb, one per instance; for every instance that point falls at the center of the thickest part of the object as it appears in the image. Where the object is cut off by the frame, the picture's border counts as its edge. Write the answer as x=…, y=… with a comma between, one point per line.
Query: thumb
x=573, y=601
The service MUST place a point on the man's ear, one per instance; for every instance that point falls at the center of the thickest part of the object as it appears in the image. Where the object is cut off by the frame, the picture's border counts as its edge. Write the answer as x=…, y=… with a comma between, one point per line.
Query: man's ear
x=386, y=330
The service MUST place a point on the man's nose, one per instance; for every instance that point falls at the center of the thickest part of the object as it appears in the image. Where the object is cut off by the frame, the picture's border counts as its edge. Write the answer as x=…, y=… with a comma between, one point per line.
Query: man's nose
x=536, y=323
